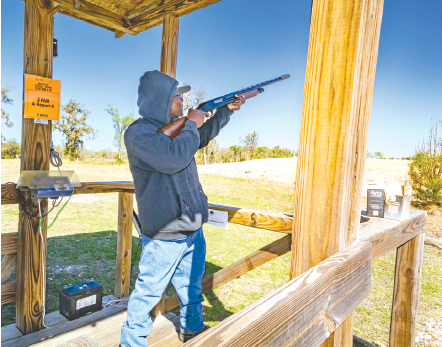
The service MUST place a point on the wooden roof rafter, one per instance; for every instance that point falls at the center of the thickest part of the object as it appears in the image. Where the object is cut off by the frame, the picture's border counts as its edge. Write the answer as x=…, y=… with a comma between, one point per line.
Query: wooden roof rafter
x=122, y=17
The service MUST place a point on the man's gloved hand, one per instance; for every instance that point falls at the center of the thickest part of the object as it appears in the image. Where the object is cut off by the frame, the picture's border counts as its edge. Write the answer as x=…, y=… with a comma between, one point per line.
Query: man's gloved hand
x=197, y=116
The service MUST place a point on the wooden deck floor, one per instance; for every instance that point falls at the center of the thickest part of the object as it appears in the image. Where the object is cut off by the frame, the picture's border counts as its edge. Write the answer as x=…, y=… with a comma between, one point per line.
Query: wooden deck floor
x=99, y=329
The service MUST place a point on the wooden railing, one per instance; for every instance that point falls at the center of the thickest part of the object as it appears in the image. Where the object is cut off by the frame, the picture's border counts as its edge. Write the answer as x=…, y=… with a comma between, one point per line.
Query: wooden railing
x=303, y=312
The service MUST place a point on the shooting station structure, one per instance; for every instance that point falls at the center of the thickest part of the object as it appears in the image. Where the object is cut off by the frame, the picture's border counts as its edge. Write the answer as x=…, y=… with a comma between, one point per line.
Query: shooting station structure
x=332, y=245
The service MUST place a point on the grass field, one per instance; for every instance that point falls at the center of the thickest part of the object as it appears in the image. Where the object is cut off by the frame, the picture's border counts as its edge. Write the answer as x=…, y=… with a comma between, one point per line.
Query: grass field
x=82, y=244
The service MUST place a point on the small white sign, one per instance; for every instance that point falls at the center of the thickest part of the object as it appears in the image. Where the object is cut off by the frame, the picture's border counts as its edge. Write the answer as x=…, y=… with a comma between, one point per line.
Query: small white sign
x=218, y=218
x=41, y=121
x=88, y=301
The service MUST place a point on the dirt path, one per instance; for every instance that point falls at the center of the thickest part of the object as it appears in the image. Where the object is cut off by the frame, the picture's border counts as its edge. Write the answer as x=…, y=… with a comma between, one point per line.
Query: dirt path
x=382, y=172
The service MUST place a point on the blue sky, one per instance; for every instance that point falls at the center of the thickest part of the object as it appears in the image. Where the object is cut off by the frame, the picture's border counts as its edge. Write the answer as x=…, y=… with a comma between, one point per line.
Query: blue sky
x=233, y=44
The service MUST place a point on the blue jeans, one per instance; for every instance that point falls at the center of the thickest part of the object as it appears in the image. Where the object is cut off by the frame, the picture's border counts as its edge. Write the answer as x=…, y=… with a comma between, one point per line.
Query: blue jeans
x=180, y=261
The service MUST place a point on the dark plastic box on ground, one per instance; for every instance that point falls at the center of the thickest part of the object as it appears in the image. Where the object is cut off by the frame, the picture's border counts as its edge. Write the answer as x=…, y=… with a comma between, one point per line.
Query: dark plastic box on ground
x=80, y=299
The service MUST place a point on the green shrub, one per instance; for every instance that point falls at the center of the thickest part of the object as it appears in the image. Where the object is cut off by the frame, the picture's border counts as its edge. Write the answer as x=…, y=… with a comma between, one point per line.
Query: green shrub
x=11, y=150
x=426, y=170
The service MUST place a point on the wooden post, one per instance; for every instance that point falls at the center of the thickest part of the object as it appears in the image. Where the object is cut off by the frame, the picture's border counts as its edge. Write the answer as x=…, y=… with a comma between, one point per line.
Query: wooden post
x=169, y=50
x=31, y=252
x=407, y=280
x=124, y=244
x=341, y=65
x=169, y=45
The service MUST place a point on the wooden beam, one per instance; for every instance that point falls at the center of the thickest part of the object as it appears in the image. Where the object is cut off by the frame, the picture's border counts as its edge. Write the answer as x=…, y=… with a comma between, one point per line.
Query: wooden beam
x=169, y=45
x=386, y=235
x=93, y=14
x=341, y=65
x=9, y=243
x=407, y=280
x=9, y=263
x=145, y=15
x=240, y=267
x=124, y=244
x=9, y=193
x=304, y=311
x=8, y=292
x=262, y=220
x=31, y=251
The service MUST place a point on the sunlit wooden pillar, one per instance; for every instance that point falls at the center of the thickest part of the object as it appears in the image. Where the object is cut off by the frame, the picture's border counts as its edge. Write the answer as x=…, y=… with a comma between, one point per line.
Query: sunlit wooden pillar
x=169, y=50
x=31, y=252
x=407, y=280
x=124, y=244
x=338, y=91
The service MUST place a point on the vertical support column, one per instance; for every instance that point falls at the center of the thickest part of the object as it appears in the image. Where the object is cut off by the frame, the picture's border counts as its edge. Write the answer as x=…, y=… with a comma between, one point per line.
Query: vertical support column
x=31, y=253
x=124, y=244
x=169, y=50
x=407, y=280
x=338, y=91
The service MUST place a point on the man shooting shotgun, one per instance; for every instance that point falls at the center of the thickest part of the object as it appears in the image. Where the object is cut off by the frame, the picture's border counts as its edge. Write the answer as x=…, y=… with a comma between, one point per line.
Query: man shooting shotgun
x=172, y=206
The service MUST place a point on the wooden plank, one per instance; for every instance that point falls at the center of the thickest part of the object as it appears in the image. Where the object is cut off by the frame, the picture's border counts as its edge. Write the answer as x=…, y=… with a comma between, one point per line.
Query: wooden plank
x=240, y=267
x=262, y=220
x=80, y=341
x=9, y=243
x=386, y=235
x=9, y=264
x=10, y=332
x=8, y=292
x=124, y=244
x=47, y=337
x=93, y=14
x=35, y=145
x=169, y=45
x=407, y=280
x=149, y=17
x=10, y=196
x=341, y=65
x=329, y=292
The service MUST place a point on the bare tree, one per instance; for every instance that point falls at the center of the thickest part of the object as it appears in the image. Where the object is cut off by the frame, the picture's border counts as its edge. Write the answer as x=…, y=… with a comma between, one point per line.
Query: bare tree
x=250, y=143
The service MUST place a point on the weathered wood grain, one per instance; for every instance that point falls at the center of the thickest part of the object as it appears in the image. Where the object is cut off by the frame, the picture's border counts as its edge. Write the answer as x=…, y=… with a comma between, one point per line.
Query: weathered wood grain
x=8, y=292
x=148, y=17
x=35, y=145
x=338, y=90
x=329, y=292
x=10, y=195
x=124, y=244
x=169, y=45
x=407, y=280
x=386, y=235
x=240, y=267
x=256, y=219
x=54, y=335
x=80, y=341
x=9, y=243
x=9, y=263
x=93, y=14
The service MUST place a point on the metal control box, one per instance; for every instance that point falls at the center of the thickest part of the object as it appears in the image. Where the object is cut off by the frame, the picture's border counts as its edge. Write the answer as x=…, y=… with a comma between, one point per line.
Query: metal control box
x=80, y=299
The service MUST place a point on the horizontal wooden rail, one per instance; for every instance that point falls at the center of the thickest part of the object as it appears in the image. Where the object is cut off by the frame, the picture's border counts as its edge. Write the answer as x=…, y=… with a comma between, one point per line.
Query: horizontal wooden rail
x=305, y=311
x=8, y=293
x=10, y=195
x=386, y=235
x=240, y=267
x=256, y=219
x=9, y=243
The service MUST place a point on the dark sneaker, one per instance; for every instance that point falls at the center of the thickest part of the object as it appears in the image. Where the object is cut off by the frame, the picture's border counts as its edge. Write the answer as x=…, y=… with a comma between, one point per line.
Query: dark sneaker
x=186, y=337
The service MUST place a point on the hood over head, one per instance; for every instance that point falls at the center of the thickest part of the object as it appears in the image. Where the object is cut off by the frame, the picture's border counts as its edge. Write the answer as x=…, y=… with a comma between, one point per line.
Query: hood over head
x=155, y=94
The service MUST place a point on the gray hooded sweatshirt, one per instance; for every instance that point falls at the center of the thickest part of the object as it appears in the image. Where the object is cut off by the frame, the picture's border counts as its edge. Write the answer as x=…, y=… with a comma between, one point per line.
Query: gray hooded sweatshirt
x=171, y=201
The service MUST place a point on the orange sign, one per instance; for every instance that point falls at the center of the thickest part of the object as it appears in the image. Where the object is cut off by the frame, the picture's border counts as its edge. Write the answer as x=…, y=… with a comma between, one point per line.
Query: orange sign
x=42, y=98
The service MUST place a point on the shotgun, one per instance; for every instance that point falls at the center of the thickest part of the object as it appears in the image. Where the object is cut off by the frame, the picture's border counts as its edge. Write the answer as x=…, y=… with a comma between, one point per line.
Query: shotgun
x=174, y=129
